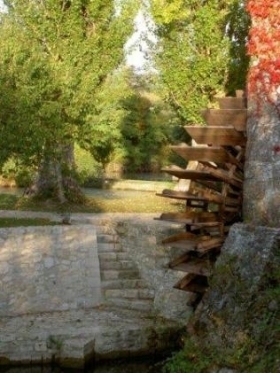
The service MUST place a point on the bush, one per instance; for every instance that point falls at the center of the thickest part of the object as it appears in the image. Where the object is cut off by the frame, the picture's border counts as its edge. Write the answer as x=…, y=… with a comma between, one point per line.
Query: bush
x=22, y=175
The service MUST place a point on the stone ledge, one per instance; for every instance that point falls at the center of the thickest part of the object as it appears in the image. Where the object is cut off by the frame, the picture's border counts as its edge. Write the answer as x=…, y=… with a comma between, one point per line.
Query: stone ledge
x=70, y=338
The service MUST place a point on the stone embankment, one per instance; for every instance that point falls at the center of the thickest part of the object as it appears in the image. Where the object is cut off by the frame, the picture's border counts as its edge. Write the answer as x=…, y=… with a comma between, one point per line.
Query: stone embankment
x=99, y=287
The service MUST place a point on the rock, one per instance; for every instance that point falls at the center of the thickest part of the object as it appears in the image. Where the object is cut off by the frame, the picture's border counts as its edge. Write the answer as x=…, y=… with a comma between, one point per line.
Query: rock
x=239, y=315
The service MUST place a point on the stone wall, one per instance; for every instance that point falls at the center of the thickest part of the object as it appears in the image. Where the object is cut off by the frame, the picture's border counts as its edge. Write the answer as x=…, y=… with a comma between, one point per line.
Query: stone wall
x=45, y=269
x=97, y=260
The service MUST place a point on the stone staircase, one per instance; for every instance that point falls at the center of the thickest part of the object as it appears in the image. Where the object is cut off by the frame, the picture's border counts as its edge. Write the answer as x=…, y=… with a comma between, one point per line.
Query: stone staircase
x=122, y=285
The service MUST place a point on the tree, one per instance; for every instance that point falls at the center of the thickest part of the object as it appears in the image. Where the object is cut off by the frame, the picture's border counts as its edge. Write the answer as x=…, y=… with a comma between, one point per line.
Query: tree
x=69, y=48
x=195, y=51
x=262, y=171
x=147, y=127
x=131, y=124
x=102, y=135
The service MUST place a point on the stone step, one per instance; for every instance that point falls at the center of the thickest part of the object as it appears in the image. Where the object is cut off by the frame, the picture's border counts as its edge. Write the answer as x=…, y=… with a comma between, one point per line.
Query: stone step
x=136, y=305
x=116, y=265
x=124, y=284
x=110, y=274
x=145, y=294
x=112, y=255
x=107, y=238
x=104, y=247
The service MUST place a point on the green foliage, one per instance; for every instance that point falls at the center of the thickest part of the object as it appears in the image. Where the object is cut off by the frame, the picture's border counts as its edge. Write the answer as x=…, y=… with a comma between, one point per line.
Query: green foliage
x=14, y=169
x=87, y=168
x=200, y=51
x=238, y=22
x=147, y=127
x=189, y=360
x=101, y=136
x=131, y=124
x=55, y=56
x=24, y=222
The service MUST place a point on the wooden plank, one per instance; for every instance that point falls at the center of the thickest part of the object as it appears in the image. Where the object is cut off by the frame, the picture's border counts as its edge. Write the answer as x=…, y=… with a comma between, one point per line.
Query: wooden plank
x=216, y=135
x=207, y=174
x=206, y=224
x=241, y=127
x=189, y=174
x=215, y=154
x=191, y=242
x=195, y=266
x=179, y=237
x=225, y=117
x=202, y=195
x=184, y=281
x=189, y=216
x=213, y=185
x=207, y=245
x=229, y=102
x=186, y=245
x=225, y=176
x=233, y=209
x=184, y=240
x=193, y=283
x=181, y=259
x=195, y=287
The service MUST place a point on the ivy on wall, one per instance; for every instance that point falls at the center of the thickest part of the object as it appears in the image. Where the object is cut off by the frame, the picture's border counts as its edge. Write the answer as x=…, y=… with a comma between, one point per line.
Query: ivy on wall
x=263, y=47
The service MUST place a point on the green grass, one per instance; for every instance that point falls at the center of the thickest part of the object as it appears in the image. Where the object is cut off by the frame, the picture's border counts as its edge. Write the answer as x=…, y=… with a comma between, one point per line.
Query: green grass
x=142, y=202
x=23, y=222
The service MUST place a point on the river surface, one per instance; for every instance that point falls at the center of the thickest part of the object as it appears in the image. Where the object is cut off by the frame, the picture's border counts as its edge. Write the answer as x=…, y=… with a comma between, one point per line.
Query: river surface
x=119, y=366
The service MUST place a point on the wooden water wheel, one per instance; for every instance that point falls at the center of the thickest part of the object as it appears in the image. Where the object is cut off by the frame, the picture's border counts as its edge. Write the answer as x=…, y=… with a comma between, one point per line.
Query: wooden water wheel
x=214, y=198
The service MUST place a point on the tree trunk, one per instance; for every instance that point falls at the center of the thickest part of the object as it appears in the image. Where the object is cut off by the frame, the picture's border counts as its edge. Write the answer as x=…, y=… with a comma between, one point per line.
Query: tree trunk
x=262, y=167
x=56, y=177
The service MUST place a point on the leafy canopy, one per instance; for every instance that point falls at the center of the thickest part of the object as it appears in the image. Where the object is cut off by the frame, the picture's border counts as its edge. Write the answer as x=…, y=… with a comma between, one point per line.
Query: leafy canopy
x=55, y=55
x=195, y=54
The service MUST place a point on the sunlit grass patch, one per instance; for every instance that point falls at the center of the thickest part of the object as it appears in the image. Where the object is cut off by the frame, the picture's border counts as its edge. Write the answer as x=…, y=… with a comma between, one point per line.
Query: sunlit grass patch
x=23, y=222
x=138, y=202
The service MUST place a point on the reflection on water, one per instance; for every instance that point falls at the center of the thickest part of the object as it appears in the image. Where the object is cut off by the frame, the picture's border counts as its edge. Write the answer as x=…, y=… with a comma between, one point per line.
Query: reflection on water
x=119, y=366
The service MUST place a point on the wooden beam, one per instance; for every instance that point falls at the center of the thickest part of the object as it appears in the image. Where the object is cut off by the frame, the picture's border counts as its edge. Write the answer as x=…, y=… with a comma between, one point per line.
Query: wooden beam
x=226, y=117
x=202, y=195
x=206, y=174
x=184, y=281
x=214, y=154
x=216, y=135
x=189, y=216
x=193, y=283
x=195, y=266
x=208, y=245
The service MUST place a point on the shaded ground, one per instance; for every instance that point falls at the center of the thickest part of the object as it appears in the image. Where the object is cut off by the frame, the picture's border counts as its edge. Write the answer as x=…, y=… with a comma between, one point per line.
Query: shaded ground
x=98, y=200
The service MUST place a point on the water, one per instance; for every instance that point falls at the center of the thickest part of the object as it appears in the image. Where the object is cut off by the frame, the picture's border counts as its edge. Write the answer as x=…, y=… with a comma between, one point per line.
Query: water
x=147, y=365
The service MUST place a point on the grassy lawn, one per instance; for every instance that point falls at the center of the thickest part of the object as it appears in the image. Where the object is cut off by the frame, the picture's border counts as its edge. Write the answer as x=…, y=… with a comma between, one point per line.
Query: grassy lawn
x=23, y=222
x=139, y=202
